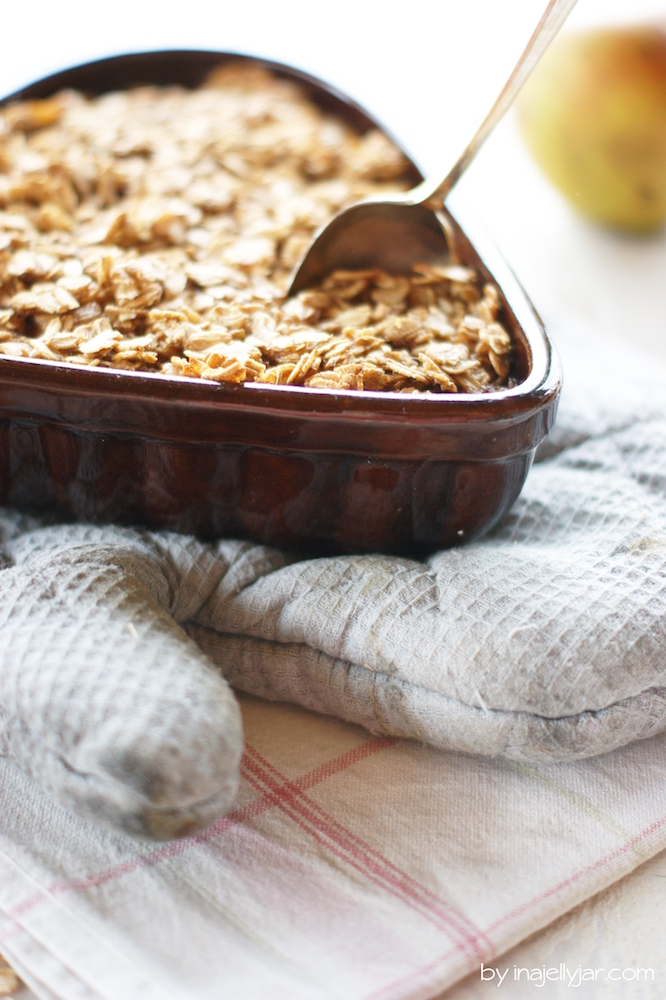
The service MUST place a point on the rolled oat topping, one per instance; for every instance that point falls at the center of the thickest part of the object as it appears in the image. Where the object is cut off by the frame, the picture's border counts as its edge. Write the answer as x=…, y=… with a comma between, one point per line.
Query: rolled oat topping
x=156, y=229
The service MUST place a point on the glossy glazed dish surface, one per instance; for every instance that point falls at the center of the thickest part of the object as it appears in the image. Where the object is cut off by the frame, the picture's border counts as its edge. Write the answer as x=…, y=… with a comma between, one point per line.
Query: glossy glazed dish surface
x=304, y=468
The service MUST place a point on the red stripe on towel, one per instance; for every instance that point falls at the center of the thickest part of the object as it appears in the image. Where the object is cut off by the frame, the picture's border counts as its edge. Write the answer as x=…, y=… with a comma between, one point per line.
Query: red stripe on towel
x=348, y=847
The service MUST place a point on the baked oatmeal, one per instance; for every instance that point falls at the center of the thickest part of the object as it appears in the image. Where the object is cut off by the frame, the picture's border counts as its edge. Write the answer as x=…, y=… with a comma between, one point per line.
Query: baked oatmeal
x=156, y=229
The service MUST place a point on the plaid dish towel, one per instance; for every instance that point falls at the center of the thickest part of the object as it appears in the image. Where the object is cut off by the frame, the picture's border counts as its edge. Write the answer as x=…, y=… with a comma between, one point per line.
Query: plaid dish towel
x=353, y=862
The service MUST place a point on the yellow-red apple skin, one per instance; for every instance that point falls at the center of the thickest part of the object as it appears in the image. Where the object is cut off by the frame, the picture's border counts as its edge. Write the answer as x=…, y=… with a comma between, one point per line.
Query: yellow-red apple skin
x=593, y=114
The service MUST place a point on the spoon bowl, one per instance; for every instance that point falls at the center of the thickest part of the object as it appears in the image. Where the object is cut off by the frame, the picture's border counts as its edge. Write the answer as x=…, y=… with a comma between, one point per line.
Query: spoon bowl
x=391, y=235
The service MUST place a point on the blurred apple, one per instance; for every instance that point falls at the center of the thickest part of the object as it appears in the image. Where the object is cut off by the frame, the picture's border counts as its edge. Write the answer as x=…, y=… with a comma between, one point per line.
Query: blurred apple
x=594, y=116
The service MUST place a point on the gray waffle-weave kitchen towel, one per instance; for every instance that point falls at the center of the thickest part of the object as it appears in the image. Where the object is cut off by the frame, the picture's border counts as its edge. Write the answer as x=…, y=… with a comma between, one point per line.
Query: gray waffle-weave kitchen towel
x=544, y=641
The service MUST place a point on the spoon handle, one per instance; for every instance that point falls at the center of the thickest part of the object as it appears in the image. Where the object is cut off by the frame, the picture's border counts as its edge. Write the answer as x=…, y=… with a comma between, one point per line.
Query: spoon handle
x=552, y=20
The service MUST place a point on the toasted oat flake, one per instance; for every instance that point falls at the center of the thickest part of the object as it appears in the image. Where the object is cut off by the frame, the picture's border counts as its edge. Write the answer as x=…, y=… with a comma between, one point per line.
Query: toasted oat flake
x=9, y=981
x=156, y=229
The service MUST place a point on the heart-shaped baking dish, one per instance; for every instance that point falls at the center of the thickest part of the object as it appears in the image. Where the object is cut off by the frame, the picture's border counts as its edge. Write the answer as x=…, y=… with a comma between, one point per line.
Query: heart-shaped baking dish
x=309, y=469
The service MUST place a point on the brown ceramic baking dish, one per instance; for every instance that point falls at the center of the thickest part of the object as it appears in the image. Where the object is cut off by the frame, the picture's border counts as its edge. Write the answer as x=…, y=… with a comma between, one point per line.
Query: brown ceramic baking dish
x=307, y=469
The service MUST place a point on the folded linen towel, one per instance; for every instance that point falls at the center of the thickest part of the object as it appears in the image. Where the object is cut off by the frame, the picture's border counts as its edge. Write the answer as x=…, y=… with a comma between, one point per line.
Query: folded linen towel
x=543, y=641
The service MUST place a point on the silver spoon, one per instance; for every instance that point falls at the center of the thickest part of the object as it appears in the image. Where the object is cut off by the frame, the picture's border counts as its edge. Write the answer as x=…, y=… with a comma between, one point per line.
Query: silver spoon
x=397, y=231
